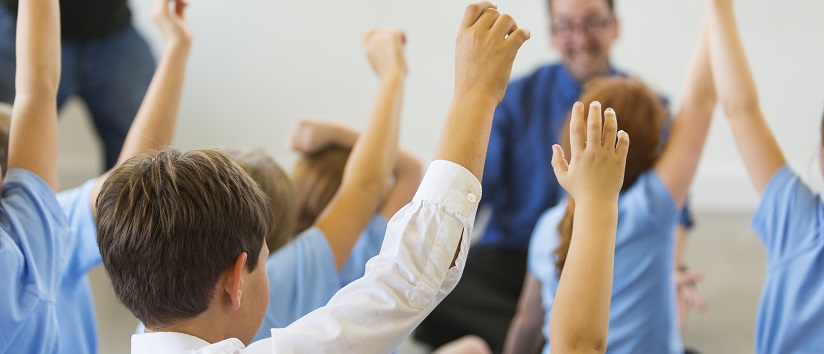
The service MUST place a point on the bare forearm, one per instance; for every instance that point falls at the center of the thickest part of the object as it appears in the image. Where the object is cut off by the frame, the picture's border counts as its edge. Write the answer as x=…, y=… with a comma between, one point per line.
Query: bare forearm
x=33, y=131
x=469, y=120
x=587, y=279
x=373, y=155
x=733, y=78
x=735, y=85
x=38, y=47
x=154, y=124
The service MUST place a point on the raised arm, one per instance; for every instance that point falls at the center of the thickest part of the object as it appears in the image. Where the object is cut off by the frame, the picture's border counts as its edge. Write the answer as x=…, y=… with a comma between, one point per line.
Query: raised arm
x=680, y=158
x=373, y=155
x=580, y=312
x=33, y=133
x=412, y=274
x=310, y=136
x=486, y=48
x=739, y=98
x=154, y=125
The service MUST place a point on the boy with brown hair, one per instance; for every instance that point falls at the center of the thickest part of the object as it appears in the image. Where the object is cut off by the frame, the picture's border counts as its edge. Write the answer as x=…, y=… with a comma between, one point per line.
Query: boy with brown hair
x=182, y=234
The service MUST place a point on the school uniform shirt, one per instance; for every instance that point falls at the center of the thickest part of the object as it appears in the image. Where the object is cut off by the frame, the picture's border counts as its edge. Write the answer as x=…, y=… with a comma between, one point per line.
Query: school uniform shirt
x=303, y=275
x=32, y=238
x=401, y=286
x=642, y=317
x=791, y=310
x=75, y=305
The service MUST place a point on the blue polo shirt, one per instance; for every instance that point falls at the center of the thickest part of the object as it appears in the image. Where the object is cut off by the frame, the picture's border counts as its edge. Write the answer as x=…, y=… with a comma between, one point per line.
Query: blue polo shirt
x=33, y=233
x=303, y=276
x=518, y=180
x=75, y=305
x=789, y=222
x=642, y=315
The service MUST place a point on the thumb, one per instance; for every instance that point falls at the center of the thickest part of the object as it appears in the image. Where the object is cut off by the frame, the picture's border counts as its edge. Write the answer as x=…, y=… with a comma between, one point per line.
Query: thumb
x=559, y=163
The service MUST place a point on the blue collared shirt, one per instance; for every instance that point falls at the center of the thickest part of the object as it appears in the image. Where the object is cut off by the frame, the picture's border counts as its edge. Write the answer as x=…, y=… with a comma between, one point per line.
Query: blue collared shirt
x=518, y=180
x=75, y=306
x=789, y=221
x=33, y=233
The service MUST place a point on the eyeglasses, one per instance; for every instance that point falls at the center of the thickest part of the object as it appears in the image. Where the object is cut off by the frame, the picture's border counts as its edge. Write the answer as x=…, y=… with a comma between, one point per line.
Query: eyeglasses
x=590, y=26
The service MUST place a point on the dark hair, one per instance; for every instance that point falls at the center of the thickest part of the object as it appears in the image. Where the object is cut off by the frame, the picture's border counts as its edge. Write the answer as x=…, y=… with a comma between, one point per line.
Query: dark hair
x=641, y=114
x=275, y=183
x=317, y=178
x=610, y=3
x=169, y=226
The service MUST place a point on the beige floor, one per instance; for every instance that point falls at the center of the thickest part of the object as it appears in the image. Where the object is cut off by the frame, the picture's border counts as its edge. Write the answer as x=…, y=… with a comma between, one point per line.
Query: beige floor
x=722, y=246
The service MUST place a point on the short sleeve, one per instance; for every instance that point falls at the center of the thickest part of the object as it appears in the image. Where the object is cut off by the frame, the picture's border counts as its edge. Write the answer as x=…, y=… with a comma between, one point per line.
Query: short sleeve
x=83, y=253
x=368, y=246
x=302, y=277
x=32, y=234
x=787, y=219
x=649, y=200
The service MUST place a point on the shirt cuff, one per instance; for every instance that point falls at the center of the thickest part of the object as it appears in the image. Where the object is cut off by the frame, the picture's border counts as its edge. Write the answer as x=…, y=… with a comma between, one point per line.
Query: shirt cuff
x=451, y=186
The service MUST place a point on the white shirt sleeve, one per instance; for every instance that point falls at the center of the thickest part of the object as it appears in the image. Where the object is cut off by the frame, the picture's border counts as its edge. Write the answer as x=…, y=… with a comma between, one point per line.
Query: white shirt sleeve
x=404, y=283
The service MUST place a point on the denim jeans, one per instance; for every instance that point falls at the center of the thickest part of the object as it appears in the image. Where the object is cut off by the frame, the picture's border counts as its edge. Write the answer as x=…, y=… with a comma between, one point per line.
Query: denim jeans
x=110, y=74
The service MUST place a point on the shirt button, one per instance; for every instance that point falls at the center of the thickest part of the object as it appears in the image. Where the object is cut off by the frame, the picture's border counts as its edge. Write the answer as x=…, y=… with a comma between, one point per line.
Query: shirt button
x=471, y=197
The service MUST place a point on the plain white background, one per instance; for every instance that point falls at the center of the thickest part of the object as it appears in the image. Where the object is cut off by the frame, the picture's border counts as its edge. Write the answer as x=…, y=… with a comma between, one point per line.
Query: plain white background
x=258, y=64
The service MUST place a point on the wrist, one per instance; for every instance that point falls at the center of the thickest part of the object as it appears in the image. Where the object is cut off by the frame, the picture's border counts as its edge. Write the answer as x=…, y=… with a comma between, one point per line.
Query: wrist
x=474, y=98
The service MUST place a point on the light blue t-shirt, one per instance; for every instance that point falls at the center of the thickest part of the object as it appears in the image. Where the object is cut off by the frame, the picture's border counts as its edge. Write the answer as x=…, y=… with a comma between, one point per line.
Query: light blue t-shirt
x=643, y=317
x=75, y=305
x=303, y=275
x=33, y=233
x=789, y=222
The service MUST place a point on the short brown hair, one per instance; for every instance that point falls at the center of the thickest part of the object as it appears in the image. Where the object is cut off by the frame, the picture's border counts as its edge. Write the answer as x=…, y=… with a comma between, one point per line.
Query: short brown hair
x=5, y=127
x=317, y=178
x=276, y=184
x=168, y=226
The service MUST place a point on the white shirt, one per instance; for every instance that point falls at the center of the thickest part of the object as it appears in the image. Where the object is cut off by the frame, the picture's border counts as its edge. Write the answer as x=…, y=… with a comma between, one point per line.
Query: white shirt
x=402, y=285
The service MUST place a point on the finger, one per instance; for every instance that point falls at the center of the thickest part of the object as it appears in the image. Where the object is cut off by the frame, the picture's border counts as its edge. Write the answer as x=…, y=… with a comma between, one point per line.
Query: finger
x=473, y=12
x=518, y=37
x=594, y=124
x=559, y=162
x=623, y=145
x=488, y=18
x=577, y=129
x=368, y=34
x=504, y=25
x=610, y=128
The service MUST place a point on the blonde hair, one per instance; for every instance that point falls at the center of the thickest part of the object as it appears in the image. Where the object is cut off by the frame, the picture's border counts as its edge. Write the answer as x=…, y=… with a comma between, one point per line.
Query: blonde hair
x=277, y=186
x=317, y=178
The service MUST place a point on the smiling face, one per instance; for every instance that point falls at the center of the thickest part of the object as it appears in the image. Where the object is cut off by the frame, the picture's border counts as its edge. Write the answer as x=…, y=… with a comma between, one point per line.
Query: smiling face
x=583, y=31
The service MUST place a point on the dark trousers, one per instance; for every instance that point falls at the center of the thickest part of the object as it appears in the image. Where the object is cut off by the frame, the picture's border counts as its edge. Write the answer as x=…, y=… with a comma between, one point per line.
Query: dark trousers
x=484, y=301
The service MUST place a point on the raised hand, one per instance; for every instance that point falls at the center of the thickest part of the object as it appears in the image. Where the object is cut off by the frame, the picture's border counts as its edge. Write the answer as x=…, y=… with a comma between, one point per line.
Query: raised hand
x=595, y=171
x=310, y=136
x=384, y=48
x=486, y=47
x=172, y=24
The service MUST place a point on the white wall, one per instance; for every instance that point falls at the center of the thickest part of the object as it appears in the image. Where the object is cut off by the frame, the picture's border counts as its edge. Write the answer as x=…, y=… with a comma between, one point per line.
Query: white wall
x=258, y=64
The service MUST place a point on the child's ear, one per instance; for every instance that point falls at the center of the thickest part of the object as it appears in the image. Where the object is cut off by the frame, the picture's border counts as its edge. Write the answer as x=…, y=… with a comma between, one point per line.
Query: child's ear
x=234, y=282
